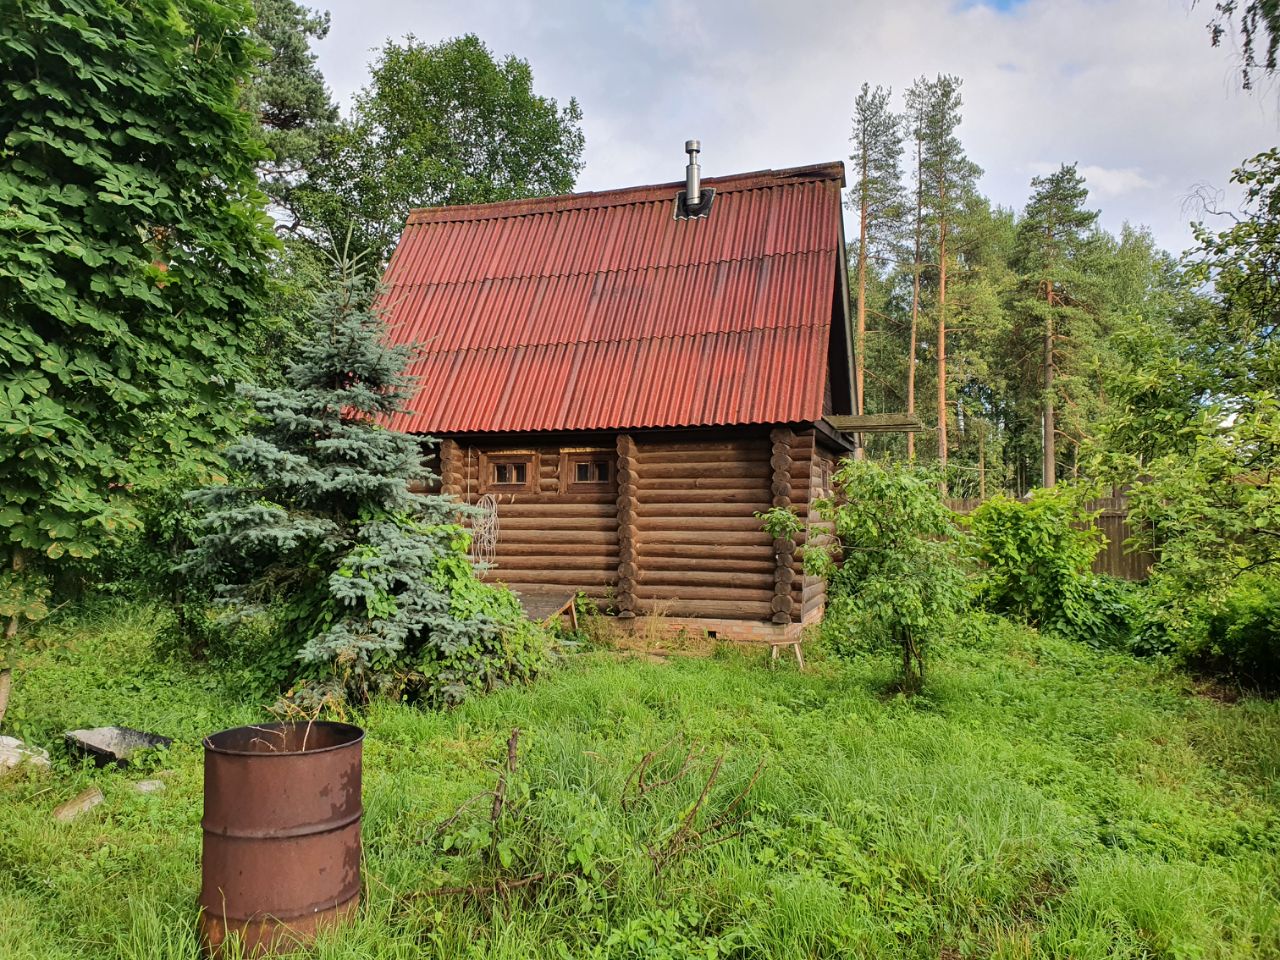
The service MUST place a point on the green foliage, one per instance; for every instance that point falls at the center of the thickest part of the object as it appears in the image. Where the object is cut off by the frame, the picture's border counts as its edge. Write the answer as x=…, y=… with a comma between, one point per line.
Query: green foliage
x=1196, y=421
x=1234, y=634
x=133, y=246
x=369, y=583
x=440, y=124
x=1036, y=556
x=895, y=572
x=781, y=523
x=1040, y=801
x=1016, y=283
x=288, y=96
x=1259, y=29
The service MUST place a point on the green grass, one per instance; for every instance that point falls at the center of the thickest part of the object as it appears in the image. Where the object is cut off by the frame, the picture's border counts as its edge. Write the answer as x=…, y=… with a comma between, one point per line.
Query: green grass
x=1040, y=800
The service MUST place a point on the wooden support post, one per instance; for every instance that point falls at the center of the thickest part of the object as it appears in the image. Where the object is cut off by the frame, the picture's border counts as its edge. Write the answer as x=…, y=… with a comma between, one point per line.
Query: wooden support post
x=451, y=469
x=628, y=463
x=784, y=549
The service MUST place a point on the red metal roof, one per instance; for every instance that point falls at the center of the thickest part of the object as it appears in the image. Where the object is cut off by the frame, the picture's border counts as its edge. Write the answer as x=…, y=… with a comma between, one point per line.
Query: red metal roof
x=603, y=311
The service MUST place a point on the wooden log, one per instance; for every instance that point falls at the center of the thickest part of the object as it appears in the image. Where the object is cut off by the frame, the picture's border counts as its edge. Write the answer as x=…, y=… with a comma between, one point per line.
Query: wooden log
x=452, y=476
x=753, y=455
x=663, y=557
x=558, y=537
x=539, y=524
x=663, y=578
x=782, y=464
x=700, y=538
x=684, y=473
x=649, y=448
x=725, y=594
x=751, y=499
x=713, y=509
x=690, y=522
x=626, y=504
x=537, y=548
x=718, y=609
x=543, y=578
x=553, y=510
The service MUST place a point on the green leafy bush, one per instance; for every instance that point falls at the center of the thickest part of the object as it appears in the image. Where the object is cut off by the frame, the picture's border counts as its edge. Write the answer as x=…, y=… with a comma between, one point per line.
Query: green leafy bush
x=895, y=573
x=1036, y=556
x=135, y=247
x=1236, y=636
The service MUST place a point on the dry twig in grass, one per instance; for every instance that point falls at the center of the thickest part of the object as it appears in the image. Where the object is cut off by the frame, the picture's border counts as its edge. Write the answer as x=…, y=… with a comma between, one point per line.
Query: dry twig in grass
x=640, y=772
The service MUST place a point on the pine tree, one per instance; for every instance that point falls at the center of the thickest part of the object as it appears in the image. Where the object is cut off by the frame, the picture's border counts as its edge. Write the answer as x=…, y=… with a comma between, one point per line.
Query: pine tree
x=288, y=95
x=948, y=178
x=877, y=196
x=1051, y=238
x=370, y=583
x=916, y=100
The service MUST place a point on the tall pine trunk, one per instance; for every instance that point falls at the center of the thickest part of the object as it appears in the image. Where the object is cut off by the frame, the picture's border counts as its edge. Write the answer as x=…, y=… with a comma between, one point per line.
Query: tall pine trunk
x=942, y=326
x=1049, y=474
x=860, y=329
x=915, y=299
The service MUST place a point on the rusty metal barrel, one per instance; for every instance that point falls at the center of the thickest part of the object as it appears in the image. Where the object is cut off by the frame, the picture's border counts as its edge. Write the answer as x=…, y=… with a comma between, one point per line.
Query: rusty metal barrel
x=281, y=833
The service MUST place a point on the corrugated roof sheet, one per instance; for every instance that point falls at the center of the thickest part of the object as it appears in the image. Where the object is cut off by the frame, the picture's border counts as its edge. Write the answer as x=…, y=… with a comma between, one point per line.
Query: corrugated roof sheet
x=603, y=311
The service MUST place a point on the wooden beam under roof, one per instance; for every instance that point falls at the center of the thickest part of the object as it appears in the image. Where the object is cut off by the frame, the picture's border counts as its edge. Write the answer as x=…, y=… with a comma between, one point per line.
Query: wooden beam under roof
x=875, y=423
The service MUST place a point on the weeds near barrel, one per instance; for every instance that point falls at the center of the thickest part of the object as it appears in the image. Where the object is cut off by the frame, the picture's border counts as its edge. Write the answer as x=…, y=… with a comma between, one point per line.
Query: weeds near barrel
x=1039, y=799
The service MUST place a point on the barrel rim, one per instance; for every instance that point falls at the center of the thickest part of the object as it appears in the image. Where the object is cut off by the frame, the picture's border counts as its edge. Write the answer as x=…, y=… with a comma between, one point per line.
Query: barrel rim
x=211, y=747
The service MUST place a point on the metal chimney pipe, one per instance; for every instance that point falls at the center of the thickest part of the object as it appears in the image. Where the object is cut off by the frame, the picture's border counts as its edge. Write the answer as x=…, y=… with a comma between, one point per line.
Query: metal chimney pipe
x=692, y=176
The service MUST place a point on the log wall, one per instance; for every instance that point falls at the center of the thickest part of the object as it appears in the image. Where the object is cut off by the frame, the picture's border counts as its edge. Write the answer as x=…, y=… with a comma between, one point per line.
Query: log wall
x=674, y=534
x=812, y=465
x=700, y=549
x=548, y=538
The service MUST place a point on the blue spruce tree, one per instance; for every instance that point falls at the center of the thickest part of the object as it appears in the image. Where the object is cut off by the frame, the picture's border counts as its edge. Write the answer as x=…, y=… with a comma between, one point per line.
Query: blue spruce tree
x=369, y=583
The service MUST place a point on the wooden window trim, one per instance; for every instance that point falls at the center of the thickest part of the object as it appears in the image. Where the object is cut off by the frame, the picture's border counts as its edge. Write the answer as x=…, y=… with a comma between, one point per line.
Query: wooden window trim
x=569, y=483
x=490, y=457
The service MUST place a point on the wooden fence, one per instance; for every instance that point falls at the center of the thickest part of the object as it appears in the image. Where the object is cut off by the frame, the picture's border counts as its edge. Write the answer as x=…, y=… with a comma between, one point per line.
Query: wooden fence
x=1113, y=521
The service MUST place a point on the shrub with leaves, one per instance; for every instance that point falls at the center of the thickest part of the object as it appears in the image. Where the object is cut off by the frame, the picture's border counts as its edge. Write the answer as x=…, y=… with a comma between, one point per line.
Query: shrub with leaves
x=1036, y=556
x=134, y=244
x=896, y=573
x=369, y=584
x=1238, y=635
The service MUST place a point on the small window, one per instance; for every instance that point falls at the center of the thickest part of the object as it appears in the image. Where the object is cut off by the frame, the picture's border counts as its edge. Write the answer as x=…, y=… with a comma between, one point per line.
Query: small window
x=507, y=474
x=586, y=471
x=591, y=471
x=824, y=479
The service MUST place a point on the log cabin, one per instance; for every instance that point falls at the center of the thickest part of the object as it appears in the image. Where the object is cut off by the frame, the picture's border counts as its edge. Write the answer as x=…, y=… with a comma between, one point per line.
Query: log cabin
x=629, y=376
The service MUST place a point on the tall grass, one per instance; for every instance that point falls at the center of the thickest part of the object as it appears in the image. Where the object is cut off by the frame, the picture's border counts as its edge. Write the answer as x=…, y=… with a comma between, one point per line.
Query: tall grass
x=1041, y=800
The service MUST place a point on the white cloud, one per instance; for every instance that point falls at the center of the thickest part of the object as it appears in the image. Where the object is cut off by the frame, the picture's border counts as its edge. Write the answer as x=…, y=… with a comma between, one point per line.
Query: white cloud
x=1105, y=182
x=1130, y=89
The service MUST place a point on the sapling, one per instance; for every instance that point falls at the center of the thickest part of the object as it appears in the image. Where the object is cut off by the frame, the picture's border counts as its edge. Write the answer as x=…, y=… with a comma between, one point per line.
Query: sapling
x=894, y=567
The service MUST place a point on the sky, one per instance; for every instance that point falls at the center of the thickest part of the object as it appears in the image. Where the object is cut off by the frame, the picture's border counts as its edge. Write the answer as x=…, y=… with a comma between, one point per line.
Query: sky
x=1130, y=90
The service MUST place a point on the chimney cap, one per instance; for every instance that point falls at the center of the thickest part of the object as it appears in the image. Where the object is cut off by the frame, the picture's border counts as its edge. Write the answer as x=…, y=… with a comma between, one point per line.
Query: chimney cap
x=693, y=146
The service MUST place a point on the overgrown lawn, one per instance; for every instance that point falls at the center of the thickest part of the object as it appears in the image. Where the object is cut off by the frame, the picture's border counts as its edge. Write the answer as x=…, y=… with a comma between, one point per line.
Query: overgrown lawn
x=1040, y=800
